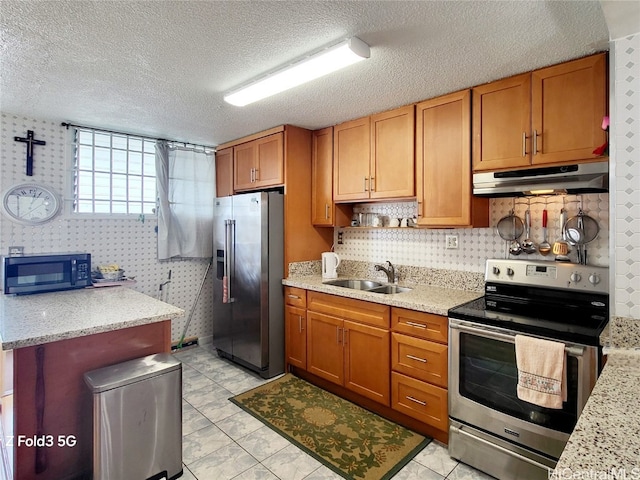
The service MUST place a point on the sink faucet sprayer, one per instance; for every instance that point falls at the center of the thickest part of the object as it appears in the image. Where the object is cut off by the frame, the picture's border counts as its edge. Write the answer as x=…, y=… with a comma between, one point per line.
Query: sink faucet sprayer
x=392, y=276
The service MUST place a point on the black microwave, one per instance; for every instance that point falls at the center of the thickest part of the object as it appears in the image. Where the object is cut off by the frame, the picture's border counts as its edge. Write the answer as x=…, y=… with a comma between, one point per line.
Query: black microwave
x=48, y=272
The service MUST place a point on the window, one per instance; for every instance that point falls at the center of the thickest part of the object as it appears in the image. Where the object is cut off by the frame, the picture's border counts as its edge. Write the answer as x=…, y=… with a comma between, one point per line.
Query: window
x=113, y=173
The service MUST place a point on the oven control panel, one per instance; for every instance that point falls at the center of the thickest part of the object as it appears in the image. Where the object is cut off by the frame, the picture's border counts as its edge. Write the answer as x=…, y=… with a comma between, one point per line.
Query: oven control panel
x=569, y=276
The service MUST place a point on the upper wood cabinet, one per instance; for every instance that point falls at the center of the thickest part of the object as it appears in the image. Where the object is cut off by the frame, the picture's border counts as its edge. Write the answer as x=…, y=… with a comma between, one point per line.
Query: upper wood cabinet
x=259, y=163
x=224, y=172
x=374, y=157
x=392, y=153
x=351, y=158
x=501, y=123
x=325, y=213
x=443, y=164
x=568, y=104
x=322, y=177
x=281, y=157
x=549, y=116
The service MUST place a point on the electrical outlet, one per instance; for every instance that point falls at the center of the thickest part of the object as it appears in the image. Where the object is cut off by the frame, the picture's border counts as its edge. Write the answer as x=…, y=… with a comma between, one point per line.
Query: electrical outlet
x=451, y=242
x=340, y=241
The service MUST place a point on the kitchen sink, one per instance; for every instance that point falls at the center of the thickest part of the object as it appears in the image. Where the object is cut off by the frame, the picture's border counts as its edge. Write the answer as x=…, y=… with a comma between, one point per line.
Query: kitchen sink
x=355, y=284
x=389, y=289
x=368, y=286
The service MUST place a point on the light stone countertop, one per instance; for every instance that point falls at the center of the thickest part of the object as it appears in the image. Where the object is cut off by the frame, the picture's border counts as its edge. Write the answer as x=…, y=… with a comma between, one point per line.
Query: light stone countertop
x=607, y=436
x=28, y=320
x=423, y=298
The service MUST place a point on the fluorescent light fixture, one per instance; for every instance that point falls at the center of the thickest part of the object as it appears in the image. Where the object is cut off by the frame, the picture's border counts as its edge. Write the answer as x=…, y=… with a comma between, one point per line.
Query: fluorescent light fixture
x=304, y=70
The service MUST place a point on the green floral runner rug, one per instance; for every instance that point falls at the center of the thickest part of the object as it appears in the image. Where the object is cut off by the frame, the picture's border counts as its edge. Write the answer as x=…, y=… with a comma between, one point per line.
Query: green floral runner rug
x=348, y=439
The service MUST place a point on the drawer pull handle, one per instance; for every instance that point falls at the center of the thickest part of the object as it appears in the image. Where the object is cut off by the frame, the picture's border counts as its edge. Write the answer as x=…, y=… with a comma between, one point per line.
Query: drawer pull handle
x=418, y=325
x=423, y=360
x=295, y=297
x=424, y=404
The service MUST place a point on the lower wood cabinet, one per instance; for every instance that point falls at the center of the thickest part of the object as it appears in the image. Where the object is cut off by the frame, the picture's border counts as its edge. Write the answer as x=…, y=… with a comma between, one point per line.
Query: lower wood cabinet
x=419, y=358
x=296, y=336
x=419, y=363
x=420, y=400
x=394, y=356
x=295, y=321
x=325, y=354
x=350, y=353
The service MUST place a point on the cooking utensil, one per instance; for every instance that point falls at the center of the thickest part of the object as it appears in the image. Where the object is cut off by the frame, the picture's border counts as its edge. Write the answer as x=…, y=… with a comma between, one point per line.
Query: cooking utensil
x=527, y=244
x=561, y=247
x=510, y=228
x=545, y=247
x=581, y=230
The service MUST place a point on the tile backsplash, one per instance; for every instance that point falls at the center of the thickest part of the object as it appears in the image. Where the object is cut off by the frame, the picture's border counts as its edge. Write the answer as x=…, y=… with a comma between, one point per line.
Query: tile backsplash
x=422, y=247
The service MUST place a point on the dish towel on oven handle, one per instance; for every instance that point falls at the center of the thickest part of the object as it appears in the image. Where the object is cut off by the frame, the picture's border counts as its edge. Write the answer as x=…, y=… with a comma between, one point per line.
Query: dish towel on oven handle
x=542, y=371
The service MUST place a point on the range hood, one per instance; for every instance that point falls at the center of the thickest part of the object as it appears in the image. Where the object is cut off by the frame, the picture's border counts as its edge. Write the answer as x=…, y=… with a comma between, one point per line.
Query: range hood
x=573, y=179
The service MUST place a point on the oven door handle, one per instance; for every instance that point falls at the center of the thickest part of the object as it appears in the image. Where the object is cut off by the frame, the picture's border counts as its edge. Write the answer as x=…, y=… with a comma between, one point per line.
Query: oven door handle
x=574, y=351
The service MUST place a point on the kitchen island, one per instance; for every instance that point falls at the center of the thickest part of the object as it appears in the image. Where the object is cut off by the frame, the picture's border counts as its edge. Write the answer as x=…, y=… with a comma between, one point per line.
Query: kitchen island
x=54, y=339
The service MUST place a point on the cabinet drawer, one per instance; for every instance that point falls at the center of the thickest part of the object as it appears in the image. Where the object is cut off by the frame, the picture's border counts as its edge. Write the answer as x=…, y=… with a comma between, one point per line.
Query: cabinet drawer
x=296, y=297
x=420, y=324
x=349, y=309
x=420, y=400
x=419, y=358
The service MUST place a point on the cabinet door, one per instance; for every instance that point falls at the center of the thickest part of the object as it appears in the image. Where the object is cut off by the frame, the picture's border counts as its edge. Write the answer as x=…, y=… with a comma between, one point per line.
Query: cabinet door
x=244, y=160
x=269, y=158
x=351, y=155
x=501, y=124
x=322, y=177
x=224, y=172
x=568, y=103
x=325, y=357
x=393, y=153
x=367, y=353
x=296, y=336
x=443, y=147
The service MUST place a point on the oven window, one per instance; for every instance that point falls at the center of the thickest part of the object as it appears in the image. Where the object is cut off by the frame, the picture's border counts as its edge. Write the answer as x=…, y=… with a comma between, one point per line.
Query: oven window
x=488, y=375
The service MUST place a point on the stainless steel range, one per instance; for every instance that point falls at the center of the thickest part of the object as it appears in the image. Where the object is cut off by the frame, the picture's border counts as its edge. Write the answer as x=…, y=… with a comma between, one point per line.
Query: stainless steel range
x=490, y=428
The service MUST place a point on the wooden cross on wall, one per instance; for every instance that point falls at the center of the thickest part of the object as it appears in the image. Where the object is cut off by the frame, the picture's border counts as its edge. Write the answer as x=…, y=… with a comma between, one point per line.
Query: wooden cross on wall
x=30, y=141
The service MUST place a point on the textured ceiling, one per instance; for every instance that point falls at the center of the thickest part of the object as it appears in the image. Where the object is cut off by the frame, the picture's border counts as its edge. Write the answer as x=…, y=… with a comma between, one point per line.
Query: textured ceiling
x=161, y=68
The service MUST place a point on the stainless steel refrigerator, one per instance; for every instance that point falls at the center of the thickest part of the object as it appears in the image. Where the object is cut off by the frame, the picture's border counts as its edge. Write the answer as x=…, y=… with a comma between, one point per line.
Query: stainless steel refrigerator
x=248, y=310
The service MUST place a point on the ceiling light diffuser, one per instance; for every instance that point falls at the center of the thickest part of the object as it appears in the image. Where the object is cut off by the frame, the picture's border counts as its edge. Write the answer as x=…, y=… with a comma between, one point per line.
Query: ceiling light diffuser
x=304, y=70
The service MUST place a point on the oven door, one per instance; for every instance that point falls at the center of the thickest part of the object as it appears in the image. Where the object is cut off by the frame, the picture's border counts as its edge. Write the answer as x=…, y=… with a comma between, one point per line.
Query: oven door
x=482, y=388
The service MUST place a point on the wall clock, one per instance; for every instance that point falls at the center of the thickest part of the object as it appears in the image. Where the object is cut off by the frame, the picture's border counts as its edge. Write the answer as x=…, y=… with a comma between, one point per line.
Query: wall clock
x=30, y=203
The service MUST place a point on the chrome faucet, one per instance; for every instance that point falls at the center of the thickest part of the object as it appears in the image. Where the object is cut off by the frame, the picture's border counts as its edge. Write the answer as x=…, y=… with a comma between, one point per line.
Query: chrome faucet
x=392, y=276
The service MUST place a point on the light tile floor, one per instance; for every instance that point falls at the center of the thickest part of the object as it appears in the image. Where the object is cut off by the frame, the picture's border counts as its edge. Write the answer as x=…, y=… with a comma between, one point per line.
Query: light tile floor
x=222, y=442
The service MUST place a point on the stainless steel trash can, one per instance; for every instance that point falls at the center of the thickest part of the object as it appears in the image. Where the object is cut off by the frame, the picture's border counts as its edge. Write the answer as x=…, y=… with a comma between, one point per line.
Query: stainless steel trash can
x=137, y=419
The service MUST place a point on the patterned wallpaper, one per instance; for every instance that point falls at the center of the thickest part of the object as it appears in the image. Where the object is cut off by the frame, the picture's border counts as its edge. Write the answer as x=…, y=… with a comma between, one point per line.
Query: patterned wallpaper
x=625, y=132
x=126, y=241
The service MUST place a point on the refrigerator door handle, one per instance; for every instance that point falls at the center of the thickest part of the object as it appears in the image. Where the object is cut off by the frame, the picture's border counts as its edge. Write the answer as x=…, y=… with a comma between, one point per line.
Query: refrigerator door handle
x=232, y=257
x=228, y=266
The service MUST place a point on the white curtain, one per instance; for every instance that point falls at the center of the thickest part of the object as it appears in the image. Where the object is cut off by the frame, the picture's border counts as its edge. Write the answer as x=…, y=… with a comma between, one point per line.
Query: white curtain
x=186, y=189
